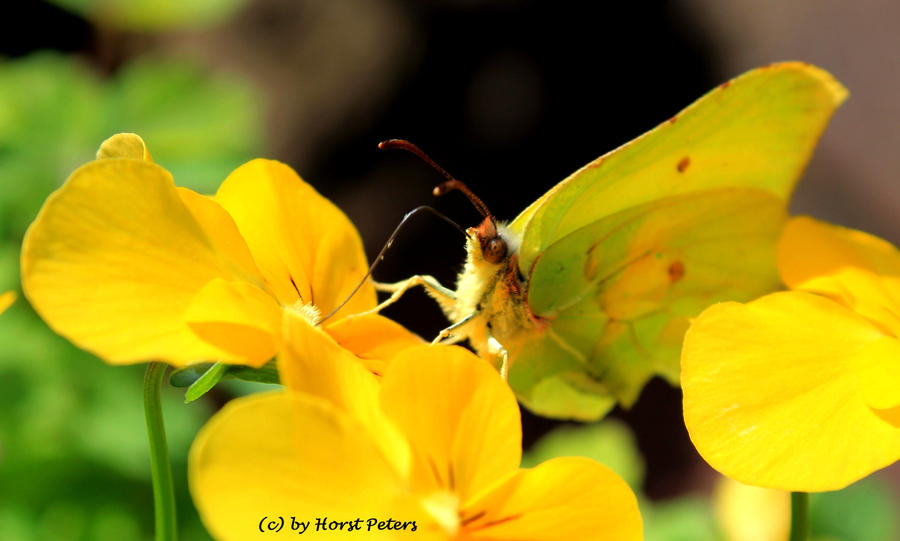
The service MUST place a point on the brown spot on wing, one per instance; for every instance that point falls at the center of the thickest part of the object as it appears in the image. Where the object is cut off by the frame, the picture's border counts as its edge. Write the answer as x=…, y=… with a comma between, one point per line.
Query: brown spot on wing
x=596, y=163
x=725, y=85
x=673, y=120
x=590, y=266
x=683, y=164
x=676, y=271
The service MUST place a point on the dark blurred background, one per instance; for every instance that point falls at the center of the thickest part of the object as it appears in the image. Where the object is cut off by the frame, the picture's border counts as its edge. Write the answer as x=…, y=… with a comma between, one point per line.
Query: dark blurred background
x=509, y=96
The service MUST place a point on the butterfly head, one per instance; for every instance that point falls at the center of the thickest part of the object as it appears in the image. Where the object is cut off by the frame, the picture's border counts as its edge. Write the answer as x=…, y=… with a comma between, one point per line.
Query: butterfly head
x=493, y=246
x=492, y=238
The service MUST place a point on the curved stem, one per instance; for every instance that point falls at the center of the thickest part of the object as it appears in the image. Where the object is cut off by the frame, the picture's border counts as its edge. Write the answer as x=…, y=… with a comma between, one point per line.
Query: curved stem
x=799, y=516
x=160, y=468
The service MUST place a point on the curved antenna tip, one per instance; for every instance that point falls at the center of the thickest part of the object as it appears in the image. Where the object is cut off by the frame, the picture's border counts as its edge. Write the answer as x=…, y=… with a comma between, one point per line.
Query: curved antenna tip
x=448, y=186
x=395, y=143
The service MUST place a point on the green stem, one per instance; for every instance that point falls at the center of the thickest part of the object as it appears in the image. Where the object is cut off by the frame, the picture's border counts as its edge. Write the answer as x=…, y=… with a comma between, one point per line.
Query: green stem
x=799, y=516
x=160, y=468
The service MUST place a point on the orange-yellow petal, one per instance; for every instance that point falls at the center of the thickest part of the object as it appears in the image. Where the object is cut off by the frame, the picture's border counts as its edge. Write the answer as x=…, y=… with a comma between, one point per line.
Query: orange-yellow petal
x=237, y=317
x=772, y=395
x=289, y=455
x=460, y=418
x=561, y=499
x=304, y=245
x=373, y=338
x=313, y=363
x=858, y=269
x=124, y=145
x=114, y=259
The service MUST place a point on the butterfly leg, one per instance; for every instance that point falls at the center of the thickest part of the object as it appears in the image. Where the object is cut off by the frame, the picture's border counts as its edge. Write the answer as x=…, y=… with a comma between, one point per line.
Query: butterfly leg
x=434, y=288
x=449, y=331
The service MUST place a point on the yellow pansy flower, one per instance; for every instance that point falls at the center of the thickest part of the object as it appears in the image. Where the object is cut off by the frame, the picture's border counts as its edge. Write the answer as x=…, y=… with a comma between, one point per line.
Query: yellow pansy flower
x=6, y=300
x=435, y=449
x=800, y=390
x=132, y=268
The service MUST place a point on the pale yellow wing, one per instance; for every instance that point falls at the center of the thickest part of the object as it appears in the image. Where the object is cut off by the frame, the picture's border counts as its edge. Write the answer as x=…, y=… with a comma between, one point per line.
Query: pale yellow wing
x=755, y=131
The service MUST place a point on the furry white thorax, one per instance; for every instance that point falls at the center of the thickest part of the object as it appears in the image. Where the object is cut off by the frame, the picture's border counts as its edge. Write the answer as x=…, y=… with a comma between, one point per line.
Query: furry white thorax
x=478, y=275
x=480, y=290
x=513, y=240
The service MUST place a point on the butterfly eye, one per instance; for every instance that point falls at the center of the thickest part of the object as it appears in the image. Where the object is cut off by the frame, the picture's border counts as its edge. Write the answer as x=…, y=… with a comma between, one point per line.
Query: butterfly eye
x=495, y=250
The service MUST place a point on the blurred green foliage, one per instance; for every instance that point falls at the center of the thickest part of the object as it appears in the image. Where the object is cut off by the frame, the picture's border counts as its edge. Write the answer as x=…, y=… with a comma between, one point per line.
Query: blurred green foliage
x=689, y=518
x=864, y=511
x=610, y=443
x=74, y=463
x=152, y=15
x=55, y=111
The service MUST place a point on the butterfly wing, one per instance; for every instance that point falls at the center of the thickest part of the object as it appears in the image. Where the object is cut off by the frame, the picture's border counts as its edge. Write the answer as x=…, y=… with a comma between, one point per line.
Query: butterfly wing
x=620, y=254
x=755, y=131
x=616, y=295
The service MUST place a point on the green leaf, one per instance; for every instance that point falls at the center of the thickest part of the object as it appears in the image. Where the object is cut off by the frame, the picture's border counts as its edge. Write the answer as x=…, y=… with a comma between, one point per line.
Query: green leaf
x=205, y=382
x=609, y=442
x=200, y=378
x=268, y=373
x=152, y=15
x=187, y=376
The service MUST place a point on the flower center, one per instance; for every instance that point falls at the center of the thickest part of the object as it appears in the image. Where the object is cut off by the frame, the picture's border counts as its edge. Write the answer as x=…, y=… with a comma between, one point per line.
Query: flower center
x=443, y=506
x=308, y=311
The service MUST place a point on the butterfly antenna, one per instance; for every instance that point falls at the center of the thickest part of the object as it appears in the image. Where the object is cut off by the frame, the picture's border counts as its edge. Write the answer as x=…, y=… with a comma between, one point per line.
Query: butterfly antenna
x=441, y=189
x=384, y=250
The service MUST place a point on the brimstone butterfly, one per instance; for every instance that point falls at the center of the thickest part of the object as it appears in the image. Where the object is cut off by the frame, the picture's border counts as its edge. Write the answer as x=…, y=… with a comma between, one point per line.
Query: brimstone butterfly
x=588, y=292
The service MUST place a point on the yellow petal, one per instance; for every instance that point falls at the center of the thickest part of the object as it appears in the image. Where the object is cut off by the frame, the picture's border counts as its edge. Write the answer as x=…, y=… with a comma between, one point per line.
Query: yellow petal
x=304, y=245
x=772, y=397
x=860, y=270
x=460, y=418
x=290, y=455
x=223, y=237
x=124, y=145
x=6, y=300
x=313, y=363
x=564, y=498
x=373, y=338
x=878, y=369
x=237, y=317
x=810, y=248
x=114, y=259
